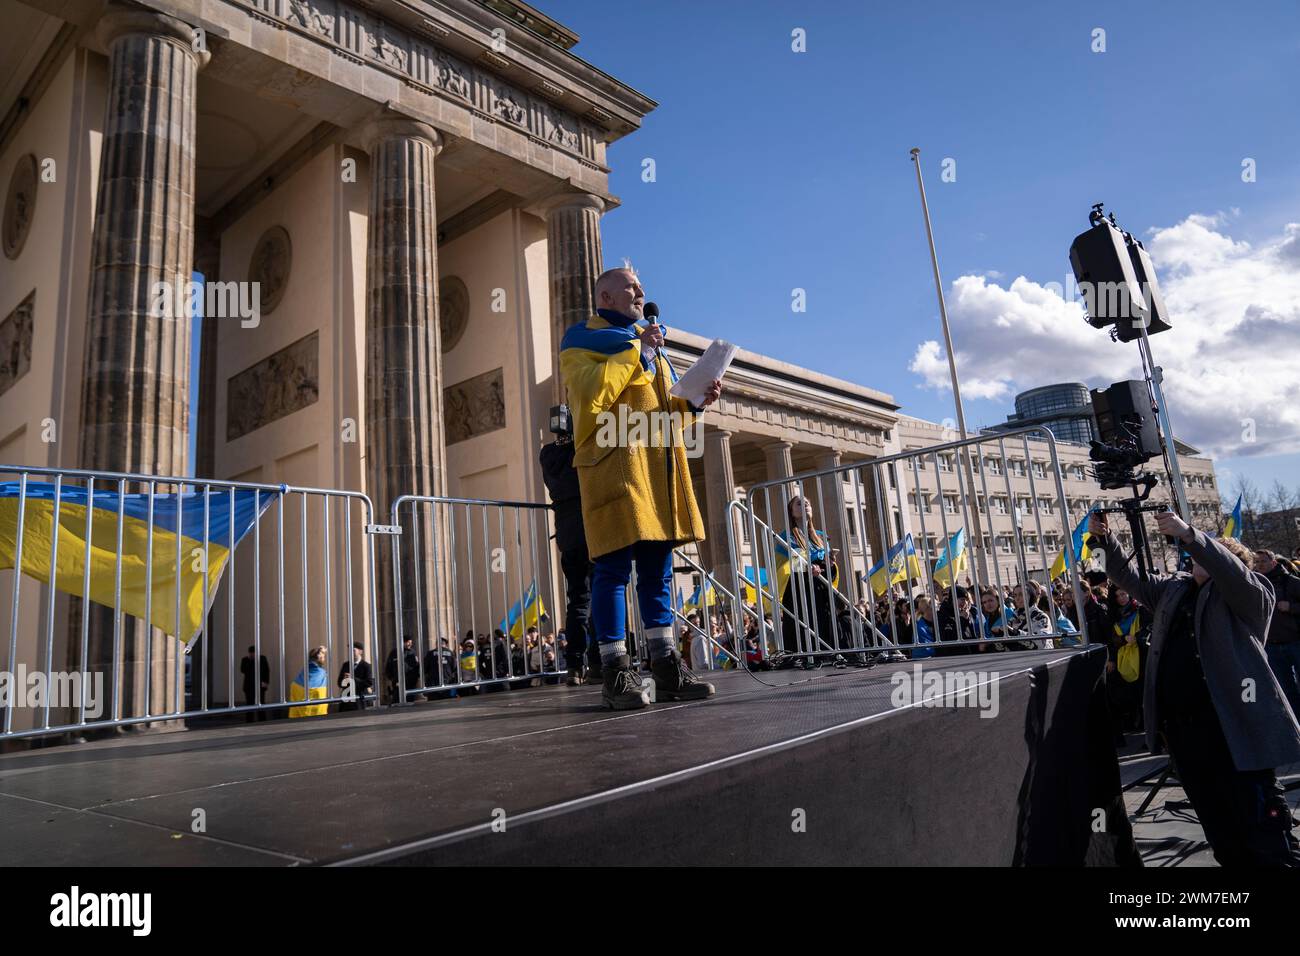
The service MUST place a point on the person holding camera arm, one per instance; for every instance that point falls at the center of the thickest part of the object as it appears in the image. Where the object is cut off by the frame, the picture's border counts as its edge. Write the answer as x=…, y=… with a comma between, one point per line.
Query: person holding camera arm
x=1209, y=696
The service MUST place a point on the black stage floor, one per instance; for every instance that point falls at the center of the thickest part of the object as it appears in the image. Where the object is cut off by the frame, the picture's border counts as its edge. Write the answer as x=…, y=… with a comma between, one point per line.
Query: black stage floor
x=821, y=769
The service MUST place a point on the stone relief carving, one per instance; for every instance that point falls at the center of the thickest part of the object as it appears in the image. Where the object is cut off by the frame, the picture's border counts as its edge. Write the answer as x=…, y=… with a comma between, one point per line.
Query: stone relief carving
x=20, y=205
x=558, y=129
x=310, y=17
x=270, y=265
x=453, y=311
x=279, y=385
x=383, y=48
x=16, y=342
x=452, y=77
x=508, y=104
x=354, y=32
x=474, y=407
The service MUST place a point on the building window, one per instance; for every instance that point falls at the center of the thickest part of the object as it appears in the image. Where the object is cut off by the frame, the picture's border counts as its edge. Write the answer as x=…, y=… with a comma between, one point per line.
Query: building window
x=1040, y=470
x=994, y=466
x=950, y=504
x=1004, y=543
x=1045, y=505
x=945, y=463
x=1000, y=505
x=898, y=526
x=1017, y=467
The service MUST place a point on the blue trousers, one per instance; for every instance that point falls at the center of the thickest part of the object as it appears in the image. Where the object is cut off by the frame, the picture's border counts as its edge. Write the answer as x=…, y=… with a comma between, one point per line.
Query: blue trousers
x=654, y=577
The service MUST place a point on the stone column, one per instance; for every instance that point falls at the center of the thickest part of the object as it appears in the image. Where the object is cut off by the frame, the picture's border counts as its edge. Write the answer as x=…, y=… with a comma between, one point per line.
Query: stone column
x=405, y=451
x=135, y=391
x=574, y=257
x=877, y=510
x=780, y=464
x=831, y=511
x=719, y=491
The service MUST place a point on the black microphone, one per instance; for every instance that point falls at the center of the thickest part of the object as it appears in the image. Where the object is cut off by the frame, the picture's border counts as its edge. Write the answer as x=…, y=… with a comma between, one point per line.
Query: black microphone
x=651, y=311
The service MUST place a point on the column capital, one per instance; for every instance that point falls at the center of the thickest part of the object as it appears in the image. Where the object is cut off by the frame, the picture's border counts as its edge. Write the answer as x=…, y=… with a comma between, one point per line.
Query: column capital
x=120, y=20
x=571, y=201
x=777, y=445
x=719, y=435
x=393, y=126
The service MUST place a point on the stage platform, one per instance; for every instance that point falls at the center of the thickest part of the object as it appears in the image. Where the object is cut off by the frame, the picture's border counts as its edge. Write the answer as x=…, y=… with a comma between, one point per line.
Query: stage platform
x=822, y=768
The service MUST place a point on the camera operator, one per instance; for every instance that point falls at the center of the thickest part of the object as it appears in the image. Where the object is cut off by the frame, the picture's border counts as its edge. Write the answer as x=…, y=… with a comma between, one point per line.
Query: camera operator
x=1209, y=692
x=561, y=480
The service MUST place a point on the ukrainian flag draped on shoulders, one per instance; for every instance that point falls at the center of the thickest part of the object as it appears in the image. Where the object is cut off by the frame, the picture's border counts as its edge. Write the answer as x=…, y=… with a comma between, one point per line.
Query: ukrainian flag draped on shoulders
x=176, y=546
x=792, y=557
x=628, y=447
x=314, y=688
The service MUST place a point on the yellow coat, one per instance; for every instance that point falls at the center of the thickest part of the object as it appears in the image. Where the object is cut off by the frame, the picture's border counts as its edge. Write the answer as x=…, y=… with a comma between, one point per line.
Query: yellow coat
x=634, y=478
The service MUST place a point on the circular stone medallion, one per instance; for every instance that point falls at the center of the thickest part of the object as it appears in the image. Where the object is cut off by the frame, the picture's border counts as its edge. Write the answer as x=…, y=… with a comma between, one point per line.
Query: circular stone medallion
x=20, y=205
x=272, y=260
x=453, y=311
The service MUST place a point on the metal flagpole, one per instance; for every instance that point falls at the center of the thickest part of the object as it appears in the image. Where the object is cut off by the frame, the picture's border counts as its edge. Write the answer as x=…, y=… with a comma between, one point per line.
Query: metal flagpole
x=977, y=537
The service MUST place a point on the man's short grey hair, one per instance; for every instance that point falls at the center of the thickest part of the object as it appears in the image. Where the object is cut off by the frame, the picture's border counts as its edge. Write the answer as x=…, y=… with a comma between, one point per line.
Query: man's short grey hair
x=610, y=273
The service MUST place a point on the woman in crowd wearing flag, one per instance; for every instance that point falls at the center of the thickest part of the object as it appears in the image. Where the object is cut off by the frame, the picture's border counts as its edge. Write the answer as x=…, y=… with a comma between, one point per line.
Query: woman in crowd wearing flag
x=314, y=687
x=1029, y=618
x=994, y=621
x=925, y=629
x=468, y=661
x=1127, y=651
x=807, y=562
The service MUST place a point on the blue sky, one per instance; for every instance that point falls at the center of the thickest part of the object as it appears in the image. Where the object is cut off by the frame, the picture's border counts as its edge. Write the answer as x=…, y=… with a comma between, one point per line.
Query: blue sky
x=777, y=170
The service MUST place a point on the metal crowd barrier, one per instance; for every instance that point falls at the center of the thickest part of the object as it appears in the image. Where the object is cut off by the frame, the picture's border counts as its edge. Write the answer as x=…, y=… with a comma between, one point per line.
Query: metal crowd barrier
x=864, y=641
x=471, y=566
x=682, y=623
x=805, y=611
x=306, y=542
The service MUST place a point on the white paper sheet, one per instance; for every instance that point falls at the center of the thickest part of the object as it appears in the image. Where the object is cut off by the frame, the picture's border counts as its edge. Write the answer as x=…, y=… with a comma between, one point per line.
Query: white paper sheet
x=694, y=384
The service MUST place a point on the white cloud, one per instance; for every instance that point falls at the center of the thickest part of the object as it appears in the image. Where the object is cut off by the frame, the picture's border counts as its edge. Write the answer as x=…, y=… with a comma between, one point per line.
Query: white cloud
x=1231, y=358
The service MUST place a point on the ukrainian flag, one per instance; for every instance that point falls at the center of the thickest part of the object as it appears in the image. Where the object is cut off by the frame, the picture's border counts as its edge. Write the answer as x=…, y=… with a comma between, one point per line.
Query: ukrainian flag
x=1232, y=528
x=747, y=584
x=790, y=558
x=177, y=523
x=316, y=690
x=698, y=601
x=952, y=560
x=524, y=613
x=1080, y=541
x=902, y=564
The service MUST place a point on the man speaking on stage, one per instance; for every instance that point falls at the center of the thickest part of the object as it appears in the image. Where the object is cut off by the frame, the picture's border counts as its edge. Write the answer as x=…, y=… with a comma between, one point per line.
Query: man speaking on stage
x=637, y=499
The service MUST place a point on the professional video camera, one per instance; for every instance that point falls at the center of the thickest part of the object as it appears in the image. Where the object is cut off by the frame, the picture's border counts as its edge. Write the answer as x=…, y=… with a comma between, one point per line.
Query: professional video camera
x=561, y=421
x=1129, y=437
x=1116, y=464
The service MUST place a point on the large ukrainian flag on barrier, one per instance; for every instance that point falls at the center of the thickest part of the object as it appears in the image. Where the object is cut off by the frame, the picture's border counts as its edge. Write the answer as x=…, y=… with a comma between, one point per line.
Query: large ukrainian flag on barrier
x=175, y=518
x=525, y=613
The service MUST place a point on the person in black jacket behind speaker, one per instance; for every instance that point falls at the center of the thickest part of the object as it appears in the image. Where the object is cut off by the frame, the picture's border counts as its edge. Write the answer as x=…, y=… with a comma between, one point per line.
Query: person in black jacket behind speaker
x=571, y=538
x=1283, y=644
